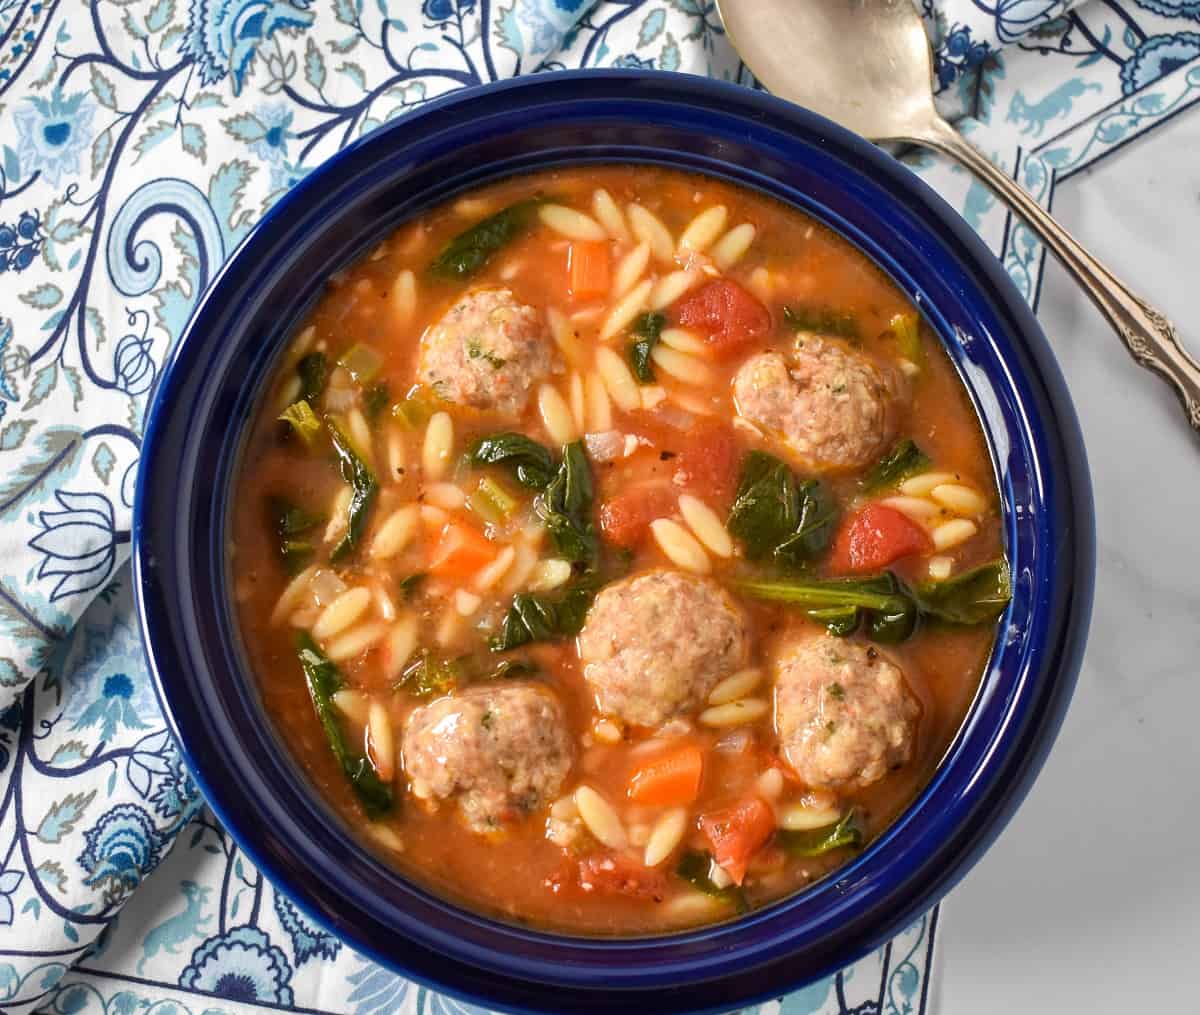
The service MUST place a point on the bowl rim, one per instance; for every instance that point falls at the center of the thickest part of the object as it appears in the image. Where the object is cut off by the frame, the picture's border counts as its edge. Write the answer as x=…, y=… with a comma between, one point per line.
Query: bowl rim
x=1042, y=696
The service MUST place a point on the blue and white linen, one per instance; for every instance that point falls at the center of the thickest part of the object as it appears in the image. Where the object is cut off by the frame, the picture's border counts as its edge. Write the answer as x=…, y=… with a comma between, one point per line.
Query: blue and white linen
x=139, y=141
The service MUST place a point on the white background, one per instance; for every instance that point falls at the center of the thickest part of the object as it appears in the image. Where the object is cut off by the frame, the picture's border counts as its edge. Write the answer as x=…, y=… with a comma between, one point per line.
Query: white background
x=1090, y=899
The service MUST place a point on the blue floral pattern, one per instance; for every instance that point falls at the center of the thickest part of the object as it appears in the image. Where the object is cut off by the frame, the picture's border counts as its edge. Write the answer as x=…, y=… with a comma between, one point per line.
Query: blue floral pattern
x=139, y=143
x=240, y=965
x=120, y=850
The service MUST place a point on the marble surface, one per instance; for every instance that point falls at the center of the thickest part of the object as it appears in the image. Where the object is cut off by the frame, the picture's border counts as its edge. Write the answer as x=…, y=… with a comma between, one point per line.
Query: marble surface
x=1090, y=900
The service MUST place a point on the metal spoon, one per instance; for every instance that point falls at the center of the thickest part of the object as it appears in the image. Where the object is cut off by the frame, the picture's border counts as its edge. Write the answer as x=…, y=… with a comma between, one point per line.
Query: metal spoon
x=867, y=65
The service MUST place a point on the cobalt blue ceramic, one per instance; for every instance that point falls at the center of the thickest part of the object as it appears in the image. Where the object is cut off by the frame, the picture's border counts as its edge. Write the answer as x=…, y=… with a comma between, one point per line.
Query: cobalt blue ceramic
x=207, y=395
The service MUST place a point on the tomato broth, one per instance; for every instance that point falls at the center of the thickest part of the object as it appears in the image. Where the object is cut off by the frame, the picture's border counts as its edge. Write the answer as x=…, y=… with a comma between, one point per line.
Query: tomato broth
x=616, y=550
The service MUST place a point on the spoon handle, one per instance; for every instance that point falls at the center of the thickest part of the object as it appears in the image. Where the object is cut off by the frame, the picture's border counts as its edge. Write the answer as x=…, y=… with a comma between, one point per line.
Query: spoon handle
x=1146, y=332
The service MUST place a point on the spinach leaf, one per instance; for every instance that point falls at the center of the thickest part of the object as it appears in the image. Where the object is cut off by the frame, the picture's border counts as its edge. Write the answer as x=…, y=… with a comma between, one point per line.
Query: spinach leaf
x=819, y=841
x=375, y=400
x=973, y=597
x=324, y=680
x=427, y=676
x=819, y=514
x=313, y=369
x=470, y=251
x=694, y=866
x=767, y=506
x=882, y=601
x=647, y=327
x=565, y=508
x=533, y=617
x=840, y=621
x=776, y=517
x=303, y=421
x=898, y=464
x=889, y=609
x=530, y=462
x=822, y=320
x=510, y=669
x=363, y=484
x=287, y=522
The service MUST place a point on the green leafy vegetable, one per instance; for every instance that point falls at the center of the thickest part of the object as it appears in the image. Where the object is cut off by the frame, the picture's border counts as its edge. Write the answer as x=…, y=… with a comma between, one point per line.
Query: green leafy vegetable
x=313, y=369
x=647, y=327
x=841, y=621
x=531, y=463
x=819, y=841
x=902, y=461
x=471, y=250
x=775, y=517
x=300, y=417
x=534, y=617
x=407, y=587
x=509, y=669
x=324, y=681
x=288, y=522
x=375, y=400
x=973, y=597
x=694, y=867
x=427, y=676
x=414, y=409
x=565, y=508
x=907, y=329
x=362, y=484
x=888, y=608
x=885, y=604
x=492, y=502
x=822, y=320
x=815, y=527
x=361, y=362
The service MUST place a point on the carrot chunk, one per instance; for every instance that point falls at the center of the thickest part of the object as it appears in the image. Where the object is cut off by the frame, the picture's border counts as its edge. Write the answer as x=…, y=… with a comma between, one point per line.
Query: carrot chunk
x=873, y=538
x=669, y=779
x=587, y=269
x=460, y=551
x=736, y=833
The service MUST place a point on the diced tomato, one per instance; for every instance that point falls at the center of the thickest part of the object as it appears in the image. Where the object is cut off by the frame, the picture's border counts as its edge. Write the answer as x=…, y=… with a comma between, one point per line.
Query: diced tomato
x=587, y=269
x=873, y=538
x=708, y=462
x=616, y=874
x=460, y=551
x=626, y=518
x=668, y=779
x=736, y=833
x=727, y=315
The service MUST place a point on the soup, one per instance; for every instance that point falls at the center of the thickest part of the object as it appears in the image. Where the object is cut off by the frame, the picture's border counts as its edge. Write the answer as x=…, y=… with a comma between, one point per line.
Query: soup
x=616, y=550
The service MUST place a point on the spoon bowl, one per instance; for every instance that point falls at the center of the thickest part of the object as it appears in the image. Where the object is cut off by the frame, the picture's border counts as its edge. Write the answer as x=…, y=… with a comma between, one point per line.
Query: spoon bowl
x=867, y=69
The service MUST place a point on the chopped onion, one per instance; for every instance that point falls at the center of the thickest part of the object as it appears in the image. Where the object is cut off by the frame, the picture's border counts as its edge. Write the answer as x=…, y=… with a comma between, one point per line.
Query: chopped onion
x=606, y=446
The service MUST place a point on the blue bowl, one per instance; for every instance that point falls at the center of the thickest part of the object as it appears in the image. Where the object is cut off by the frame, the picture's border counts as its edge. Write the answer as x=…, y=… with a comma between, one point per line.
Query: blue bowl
x=206, y=398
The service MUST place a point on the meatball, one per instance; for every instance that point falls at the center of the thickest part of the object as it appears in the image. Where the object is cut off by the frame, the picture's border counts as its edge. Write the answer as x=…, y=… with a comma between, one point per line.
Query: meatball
x=843, y=712
x=487, y=351
x=832, y=407
x=503, y=751
x=654, y=646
